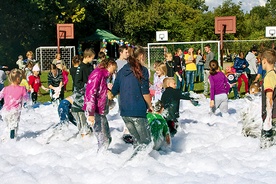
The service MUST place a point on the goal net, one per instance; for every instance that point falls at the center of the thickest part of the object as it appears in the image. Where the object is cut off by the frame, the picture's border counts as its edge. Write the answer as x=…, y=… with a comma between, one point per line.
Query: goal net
x=46, y=55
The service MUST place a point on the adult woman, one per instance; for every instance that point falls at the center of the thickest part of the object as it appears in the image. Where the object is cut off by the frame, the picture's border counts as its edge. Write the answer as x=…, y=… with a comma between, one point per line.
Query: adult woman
x=55, y=83
x=58, y=62
x=199, y=66
x=132, y=82
x=178, y=69
x=190, y=69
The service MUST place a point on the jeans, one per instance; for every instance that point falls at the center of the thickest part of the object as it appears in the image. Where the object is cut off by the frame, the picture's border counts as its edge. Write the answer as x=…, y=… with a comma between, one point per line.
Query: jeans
x=179, y=85
x=206, y=81
x=190, y=75
x=82, y=124
x=235, y=89
x=199, y=72
x=139, y=129
x=65, y=113
x=101, y=131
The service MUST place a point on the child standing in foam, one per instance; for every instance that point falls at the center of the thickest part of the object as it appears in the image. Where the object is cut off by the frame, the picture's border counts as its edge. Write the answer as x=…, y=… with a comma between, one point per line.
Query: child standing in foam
x=161, y=73
x=95, y=105
x=230, y=73
x=35, y=83
x=171, y=101
x=158, y=127
x=65, y=74
x=251, y=119
x=219, y=88
x=14, y=96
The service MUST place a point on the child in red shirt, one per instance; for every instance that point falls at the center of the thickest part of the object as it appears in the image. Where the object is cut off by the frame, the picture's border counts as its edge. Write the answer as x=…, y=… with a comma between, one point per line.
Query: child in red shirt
x=35, y=83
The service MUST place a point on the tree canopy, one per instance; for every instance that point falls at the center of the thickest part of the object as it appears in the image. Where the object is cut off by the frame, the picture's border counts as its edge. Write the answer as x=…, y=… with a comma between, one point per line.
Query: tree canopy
x=28, y=24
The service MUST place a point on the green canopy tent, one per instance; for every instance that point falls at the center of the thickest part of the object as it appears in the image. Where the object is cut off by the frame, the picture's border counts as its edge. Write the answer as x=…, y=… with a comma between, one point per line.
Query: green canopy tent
x=98, y=36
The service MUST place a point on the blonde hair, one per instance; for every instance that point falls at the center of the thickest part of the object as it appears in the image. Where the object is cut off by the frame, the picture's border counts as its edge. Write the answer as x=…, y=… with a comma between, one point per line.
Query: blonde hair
x=15, y=76
x=57, y=55
x=167, y=81
x=255, y=88
x=29, y=53
x=163, y=68
x=168, y=54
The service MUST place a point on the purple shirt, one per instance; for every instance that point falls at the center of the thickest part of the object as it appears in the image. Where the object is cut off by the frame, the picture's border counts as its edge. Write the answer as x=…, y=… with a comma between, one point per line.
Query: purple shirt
x=218, y=85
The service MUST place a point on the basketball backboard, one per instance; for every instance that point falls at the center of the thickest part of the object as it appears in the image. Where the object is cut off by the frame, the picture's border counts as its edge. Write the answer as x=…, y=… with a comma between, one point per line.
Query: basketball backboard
x=225, y=24
x=270, y=31
x=161, y=36
x=65, y=31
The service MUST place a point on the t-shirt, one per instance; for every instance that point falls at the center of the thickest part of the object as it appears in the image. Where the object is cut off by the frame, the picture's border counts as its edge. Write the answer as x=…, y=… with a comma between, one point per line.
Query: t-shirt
x=13, y=96
x=55, y=80
x=190, y=66
x=34, y=82
x=269, y=84
x=261, y=71
x=270, y=81
x=120, y=63
x=158, y=126
x=209, y=57
x=25, y=83
x=232, y=78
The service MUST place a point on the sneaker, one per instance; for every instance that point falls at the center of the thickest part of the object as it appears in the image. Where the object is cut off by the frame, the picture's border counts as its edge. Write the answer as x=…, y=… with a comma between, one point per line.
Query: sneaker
x=12, y=134
x=266, y=139
x=194, y=102
x=128, y=138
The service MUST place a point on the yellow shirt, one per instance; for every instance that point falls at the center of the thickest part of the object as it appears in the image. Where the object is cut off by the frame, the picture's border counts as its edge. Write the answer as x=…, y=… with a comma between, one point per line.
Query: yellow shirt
x=25, y=83
x=190, y=66
x=270, y=81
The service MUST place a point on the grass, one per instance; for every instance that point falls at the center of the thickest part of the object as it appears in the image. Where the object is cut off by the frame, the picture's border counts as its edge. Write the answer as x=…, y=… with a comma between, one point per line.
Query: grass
x=45, y=97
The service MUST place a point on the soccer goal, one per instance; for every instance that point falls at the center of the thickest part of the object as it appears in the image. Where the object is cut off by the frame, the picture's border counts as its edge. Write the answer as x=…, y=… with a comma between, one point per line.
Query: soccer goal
x=46, y=55
x=157, y=51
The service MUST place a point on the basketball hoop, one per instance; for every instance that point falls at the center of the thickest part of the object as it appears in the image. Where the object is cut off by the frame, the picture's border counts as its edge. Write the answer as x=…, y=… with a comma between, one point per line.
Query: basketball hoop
x=64, y=31
x=224, y=25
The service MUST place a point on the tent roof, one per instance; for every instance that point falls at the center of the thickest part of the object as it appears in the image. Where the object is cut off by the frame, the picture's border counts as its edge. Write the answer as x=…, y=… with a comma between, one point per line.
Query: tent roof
x=100, y=35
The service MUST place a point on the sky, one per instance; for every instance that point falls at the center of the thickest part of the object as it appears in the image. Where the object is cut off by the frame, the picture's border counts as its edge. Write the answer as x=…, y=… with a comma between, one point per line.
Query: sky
x=206, y=149
x=247, y=5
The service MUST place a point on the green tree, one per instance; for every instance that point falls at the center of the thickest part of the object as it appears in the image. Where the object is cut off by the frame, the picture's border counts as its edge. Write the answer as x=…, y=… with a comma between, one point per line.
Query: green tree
x=179, y=19
x=228, y=8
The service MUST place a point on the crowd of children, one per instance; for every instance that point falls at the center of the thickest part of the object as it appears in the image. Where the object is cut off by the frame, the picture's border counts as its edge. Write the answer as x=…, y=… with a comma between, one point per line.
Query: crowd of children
x=88, y=106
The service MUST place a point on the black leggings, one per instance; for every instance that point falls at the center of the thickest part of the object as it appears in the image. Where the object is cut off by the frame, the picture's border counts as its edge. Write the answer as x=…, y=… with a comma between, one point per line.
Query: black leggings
x=34, y=97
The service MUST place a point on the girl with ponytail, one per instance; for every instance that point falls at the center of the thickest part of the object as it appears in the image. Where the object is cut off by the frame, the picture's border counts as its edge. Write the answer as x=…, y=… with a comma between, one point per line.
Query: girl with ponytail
x=219, y=88
x=132, y=82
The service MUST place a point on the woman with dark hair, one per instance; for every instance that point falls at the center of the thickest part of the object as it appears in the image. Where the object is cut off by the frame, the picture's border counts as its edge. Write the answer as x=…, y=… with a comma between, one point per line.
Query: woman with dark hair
x=55, y=83
x=132, y=82
x=219, y=88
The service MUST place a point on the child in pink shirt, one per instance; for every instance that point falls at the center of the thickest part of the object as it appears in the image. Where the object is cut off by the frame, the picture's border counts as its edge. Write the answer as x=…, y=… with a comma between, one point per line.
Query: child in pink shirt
x=14, y=96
